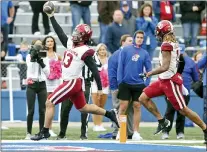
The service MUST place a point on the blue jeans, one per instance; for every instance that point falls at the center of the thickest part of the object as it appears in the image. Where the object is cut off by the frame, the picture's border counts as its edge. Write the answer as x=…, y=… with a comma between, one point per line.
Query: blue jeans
x=103, y=29
x=205, y=104
x=190, y=33
x=79, y=12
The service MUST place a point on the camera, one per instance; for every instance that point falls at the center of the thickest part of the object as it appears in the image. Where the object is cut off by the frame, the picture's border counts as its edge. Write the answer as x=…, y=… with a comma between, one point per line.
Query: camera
x=38, y=51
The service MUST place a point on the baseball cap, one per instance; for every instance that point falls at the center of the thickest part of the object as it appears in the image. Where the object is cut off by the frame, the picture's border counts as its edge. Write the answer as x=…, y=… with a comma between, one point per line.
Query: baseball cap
x=124, y=3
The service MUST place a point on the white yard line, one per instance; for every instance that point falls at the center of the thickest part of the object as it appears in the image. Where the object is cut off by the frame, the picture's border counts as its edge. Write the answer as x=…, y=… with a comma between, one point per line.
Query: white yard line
x=107, y=141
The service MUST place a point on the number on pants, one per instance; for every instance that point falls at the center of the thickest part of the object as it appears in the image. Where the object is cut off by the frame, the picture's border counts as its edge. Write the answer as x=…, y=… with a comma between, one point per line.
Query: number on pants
x=67, y=59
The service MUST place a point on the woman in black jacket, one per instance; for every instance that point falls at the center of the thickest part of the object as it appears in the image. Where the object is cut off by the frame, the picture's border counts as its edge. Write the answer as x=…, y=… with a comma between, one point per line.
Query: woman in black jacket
x=191, y=20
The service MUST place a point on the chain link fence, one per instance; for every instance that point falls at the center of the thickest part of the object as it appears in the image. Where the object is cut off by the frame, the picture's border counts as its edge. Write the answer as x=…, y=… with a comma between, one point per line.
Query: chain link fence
x=20, y=72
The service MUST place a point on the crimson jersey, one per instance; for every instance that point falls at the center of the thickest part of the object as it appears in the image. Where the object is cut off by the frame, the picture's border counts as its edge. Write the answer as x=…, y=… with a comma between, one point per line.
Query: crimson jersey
x=73, y=62
x=175, y=53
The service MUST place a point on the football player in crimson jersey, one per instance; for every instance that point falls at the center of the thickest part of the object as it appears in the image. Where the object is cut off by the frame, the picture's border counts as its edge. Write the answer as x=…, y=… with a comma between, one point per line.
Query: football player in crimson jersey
x=170, y=80
x=77, y=55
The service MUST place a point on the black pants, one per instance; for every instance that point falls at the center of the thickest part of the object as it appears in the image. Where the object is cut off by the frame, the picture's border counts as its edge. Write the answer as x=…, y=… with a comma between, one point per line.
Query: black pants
x=180, y=121
x=37, y=7
x=5, y=33
x=39, y=89
x=65, y=110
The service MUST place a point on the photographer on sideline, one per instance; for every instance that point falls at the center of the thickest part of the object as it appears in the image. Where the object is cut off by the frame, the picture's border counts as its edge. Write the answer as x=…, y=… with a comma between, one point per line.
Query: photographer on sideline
x=37, y=71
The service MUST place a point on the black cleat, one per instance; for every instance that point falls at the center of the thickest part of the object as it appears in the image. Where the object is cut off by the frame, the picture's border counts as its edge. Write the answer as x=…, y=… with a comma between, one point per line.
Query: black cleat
x=41, y=136
x=162, y=126
x=114, y=117
x=83, y=137
x=61, y=137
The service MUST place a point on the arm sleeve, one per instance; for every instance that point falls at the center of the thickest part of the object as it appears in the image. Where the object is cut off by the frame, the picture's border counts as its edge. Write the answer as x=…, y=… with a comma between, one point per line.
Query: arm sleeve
x=195, y=75
x=46, y=69
x=153, y=24
x=181, y=64
x=120, y=68
x=109, y=40
x=141, y=25
x=148, y=66
x=59, y=31
x=202, y=62
x=201, y=6
x=89, y=61
x=166, y=47
x=185, y=8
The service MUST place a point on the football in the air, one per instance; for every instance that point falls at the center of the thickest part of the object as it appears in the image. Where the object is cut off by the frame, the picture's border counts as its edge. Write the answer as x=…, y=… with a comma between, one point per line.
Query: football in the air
x=48, y=7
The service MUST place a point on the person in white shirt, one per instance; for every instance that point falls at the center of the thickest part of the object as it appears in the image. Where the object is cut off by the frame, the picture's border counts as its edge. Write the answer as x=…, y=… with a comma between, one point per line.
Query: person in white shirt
x=37, y=70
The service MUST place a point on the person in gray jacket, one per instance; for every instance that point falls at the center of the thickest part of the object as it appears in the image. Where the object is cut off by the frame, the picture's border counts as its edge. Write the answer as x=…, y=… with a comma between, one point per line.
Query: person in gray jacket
x=129, y=19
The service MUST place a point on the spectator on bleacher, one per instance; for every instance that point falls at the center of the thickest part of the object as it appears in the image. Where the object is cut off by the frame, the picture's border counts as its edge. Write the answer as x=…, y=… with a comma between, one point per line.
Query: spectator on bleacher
x=147, y=23
x=7, y=15
x=21, y=57
x=54, y=59
x=115, y=31
x=23, y=51
x=105, y=17
x=132, y=60
x=202, y=64
x=11, y=25
x=129, y=19
x=135, y=7
x=101, y=58
x=164, y=10
x=80, y=9
x=37, y=70
x=191, y=20
x=112, y=72
x=37, y=8
x=189, y=75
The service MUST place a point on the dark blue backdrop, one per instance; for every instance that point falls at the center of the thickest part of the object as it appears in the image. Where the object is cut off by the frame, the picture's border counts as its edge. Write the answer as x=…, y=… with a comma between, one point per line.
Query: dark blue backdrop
x=196, y=104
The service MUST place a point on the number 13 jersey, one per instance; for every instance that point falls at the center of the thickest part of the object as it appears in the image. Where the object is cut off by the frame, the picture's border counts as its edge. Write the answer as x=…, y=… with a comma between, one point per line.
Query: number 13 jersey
x=73, y=62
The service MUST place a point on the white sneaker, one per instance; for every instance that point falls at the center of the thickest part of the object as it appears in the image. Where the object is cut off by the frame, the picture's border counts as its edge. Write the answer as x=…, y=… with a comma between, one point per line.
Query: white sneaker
x=180, y=136
x=52, y=134
x=118, y=136
x=98, y=128
x=37, y=33
x=165, y=135
x=28, y=136
x=136, y=136
x=95, y=128
x=101, y=128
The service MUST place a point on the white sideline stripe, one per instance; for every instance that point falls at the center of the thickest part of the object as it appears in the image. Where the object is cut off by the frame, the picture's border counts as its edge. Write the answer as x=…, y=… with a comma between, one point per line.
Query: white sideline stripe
x=108, y=141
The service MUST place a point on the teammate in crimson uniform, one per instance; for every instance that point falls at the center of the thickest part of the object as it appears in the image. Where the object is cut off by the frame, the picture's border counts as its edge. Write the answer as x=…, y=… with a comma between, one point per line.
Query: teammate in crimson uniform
x=170, y=80
x=77, y=55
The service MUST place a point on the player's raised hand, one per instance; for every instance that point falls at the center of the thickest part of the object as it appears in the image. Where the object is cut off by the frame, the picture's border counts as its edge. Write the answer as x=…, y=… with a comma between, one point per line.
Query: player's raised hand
x=49, y=8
